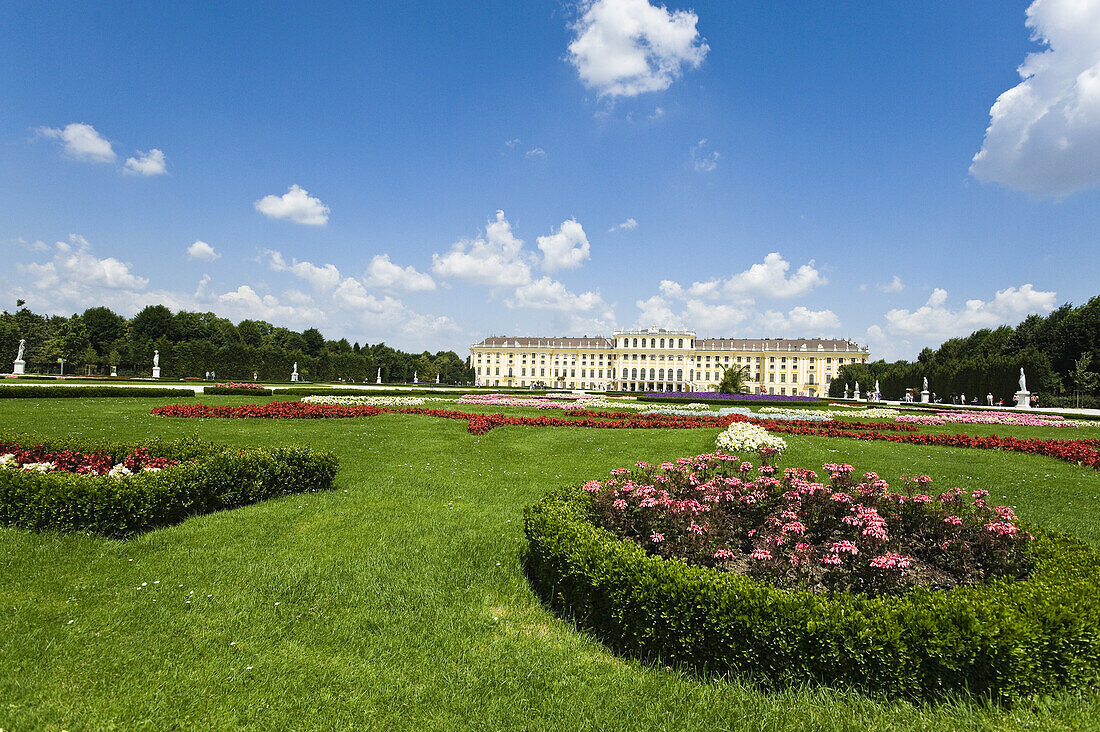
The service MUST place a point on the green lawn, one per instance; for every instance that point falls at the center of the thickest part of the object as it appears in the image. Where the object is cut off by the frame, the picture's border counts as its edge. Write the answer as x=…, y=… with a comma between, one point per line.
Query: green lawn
x=396, y=601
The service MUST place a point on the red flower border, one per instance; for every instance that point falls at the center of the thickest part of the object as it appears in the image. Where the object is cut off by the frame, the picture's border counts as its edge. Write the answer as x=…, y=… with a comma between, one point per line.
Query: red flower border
x=1082, y=452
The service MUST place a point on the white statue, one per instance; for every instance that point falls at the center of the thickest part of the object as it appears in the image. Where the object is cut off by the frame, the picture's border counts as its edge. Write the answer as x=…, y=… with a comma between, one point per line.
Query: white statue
x=878, y=394
x=156, y=359
x=295, y=369
x=926, y=383
x=414, y=378
x=1023, y=381
x=857, y=387
x=379, y=381
x=22, y=347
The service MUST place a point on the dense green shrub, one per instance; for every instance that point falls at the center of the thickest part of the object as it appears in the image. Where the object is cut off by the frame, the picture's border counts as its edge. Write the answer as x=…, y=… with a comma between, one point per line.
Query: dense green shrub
x=84, y=392
x=235, y=391
x=208, y=478
x=1002, y=641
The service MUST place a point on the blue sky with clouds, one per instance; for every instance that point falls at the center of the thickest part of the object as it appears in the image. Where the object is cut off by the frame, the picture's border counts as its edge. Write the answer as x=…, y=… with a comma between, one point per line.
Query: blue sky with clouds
x=430, y=173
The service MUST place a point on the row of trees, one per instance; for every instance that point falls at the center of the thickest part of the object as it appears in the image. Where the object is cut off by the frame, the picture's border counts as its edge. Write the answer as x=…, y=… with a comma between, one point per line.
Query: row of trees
x=1059, y=354
x=193, y=344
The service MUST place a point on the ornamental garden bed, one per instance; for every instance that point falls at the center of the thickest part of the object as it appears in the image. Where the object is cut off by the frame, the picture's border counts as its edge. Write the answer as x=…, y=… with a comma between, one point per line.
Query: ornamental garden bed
x=119, y=490
x=237, y=389
x=720, y=567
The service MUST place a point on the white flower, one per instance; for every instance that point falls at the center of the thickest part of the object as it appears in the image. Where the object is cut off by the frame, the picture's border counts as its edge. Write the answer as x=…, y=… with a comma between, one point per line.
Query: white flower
x=39, y=467
x=119, y=471
x=7, y=460
x=374, y=401
x=746, y=437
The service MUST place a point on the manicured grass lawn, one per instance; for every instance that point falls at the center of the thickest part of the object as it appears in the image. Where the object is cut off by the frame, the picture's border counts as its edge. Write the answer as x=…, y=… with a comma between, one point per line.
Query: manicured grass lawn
x=397, y=601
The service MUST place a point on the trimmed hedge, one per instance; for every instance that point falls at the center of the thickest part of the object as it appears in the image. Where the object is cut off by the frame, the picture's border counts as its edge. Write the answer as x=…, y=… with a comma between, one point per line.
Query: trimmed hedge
x=209, y=478
x=235, y=391
x=1000, y=641
x=84, y=392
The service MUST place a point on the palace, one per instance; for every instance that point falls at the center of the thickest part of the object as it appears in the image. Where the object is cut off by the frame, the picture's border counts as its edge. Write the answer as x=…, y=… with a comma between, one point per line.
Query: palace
x=656, y=359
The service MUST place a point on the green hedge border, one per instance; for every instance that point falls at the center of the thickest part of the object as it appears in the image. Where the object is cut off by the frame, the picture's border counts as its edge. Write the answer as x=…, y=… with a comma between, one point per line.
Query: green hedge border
x=815, y=404
x=84, y=392
x=235, y=391
x=209, y=478
x=1001, y=641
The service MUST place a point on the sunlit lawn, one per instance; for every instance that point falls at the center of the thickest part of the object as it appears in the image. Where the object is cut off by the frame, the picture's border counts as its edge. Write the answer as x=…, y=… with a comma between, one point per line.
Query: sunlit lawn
x=396, y=601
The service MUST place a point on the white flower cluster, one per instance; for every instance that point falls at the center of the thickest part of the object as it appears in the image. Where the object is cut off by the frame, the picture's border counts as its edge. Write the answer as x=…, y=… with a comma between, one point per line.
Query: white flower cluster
x=874, y=413
x=118, y=471
x=602, y=403
x=812, y=415
x=746, y=437
x=38, y=467
x=374, y=401
x=680, y=412
x=7, y=460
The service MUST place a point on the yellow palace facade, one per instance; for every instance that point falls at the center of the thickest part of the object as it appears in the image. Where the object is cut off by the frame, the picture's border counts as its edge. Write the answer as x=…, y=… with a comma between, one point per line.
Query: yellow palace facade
x=656, y=359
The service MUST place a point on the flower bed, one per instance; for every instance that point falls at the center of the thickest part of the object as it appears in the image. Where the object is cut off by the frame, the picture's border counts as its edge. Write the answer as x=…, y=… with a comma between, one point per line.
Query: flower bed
x=812, y=415
x=237, y=388
x=1008, y=418
x=40, y=459
x=730, y=397
x=377, y=401
x=748, y=437
x=766, y=598
x=78, y=486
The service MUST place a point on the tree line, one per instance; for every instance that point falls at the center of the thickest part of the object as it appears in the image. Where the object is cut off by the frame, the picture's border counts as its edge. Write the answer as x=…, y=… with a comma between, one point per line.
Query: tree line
x=1059, y=352
x=195, y=344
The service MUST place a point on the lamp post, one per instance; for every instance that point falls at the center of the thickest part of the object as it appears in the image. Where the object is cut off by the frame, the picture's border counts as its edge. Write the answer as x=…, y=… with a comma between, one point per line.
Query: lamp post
x=62, y=362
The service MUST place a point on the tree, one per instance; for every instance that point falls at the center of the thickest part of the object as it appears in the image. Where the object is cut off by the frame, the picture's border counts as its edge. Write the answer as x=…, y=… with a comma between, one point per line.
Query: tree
x=104, y=327
x=314, y=341
x=1083, y=379
x=734, y=380
x=152, y=322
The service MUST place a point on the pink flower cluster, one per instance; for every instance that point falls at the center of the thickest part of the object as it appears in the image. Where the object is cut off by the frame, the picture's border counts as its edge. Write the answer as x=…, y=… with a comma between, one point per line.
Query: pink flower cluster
x=798, y=531
x=538, y=402
x=1008, y=418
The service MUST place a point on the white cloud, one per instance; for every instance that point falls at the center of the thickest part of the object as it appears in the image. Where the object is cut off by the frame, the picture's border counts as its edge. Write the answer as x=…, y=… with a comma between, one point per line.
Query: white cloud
x=1044, y=133
x=628, y=225
x=657, y=113
x=934, y=321
x=74, y=264
x=496, y=260
x=801, y=322
x=701, y=160
x=81, y=141
x=147, y=164
x=715, y=319
x=383, y=273
x=567, y=249
x=767, y=279
x=549, y=294
x=512, y=143
x=296, y=205
x=894, y=285
x=656, y=311
x=202, y=250
x=536, y=152
x=323, y=277
x=623, y=48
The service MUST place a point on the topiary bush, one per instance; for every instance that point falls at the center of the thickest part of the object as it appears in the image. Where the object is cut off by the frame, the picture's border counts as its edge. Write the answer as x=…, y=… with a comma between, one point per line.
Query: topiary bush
x=83, y=392
x=1003, y=639
x=204, y=478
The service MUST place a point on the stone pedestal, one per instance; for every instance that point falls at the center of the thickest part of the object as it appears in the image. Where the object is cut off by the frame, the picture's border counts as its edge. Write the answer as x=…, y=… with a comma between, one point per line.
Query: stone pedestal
x=20, y=367
x=856, y=395
x=378, y=380
x=1023, y=400
x=156, y=372
x=114, y=371
x=925, y=397
x=294, y=376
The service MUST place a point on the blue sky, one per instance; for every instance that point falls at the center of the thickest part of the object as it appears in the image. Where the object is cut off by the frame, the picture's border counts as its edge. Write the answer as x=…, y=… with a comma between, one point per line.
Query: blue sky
x=428, y=174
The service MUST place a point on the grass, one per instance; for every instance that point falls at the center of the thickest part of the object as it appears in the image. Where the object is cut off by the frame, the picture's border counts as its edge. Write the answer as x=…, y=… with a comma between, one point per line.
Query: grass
x=396, y=601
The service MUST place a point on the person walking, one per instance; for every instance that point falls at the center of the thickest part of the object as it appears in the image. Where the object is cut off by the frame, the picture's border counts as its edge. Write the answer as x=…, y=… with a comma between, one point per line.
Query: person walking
x=989, y=399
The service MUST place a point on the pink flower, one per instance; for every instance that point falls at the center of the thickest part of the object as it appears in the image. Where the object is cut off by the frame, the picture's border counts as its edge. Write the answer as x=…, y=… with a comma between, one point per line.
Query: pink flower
x=891, y=560
x=697, y=529
x=723, y=554
x=845, y=546
x=795, y=527
x=593, y=486
x=619, y=504
x=761, y=554
x=667, y=466
x=656, y=537
x=1002, y=528
x=830, y=559
x=921, y=498
x=953, y=520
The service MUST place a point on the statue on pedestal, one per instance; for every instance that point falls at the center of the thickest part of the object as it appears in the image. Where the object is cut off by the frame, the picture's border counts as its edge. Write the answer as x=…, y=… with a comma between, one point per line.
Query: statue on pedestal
x=22, y=348
x=156, y=359
x=1023, y=380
